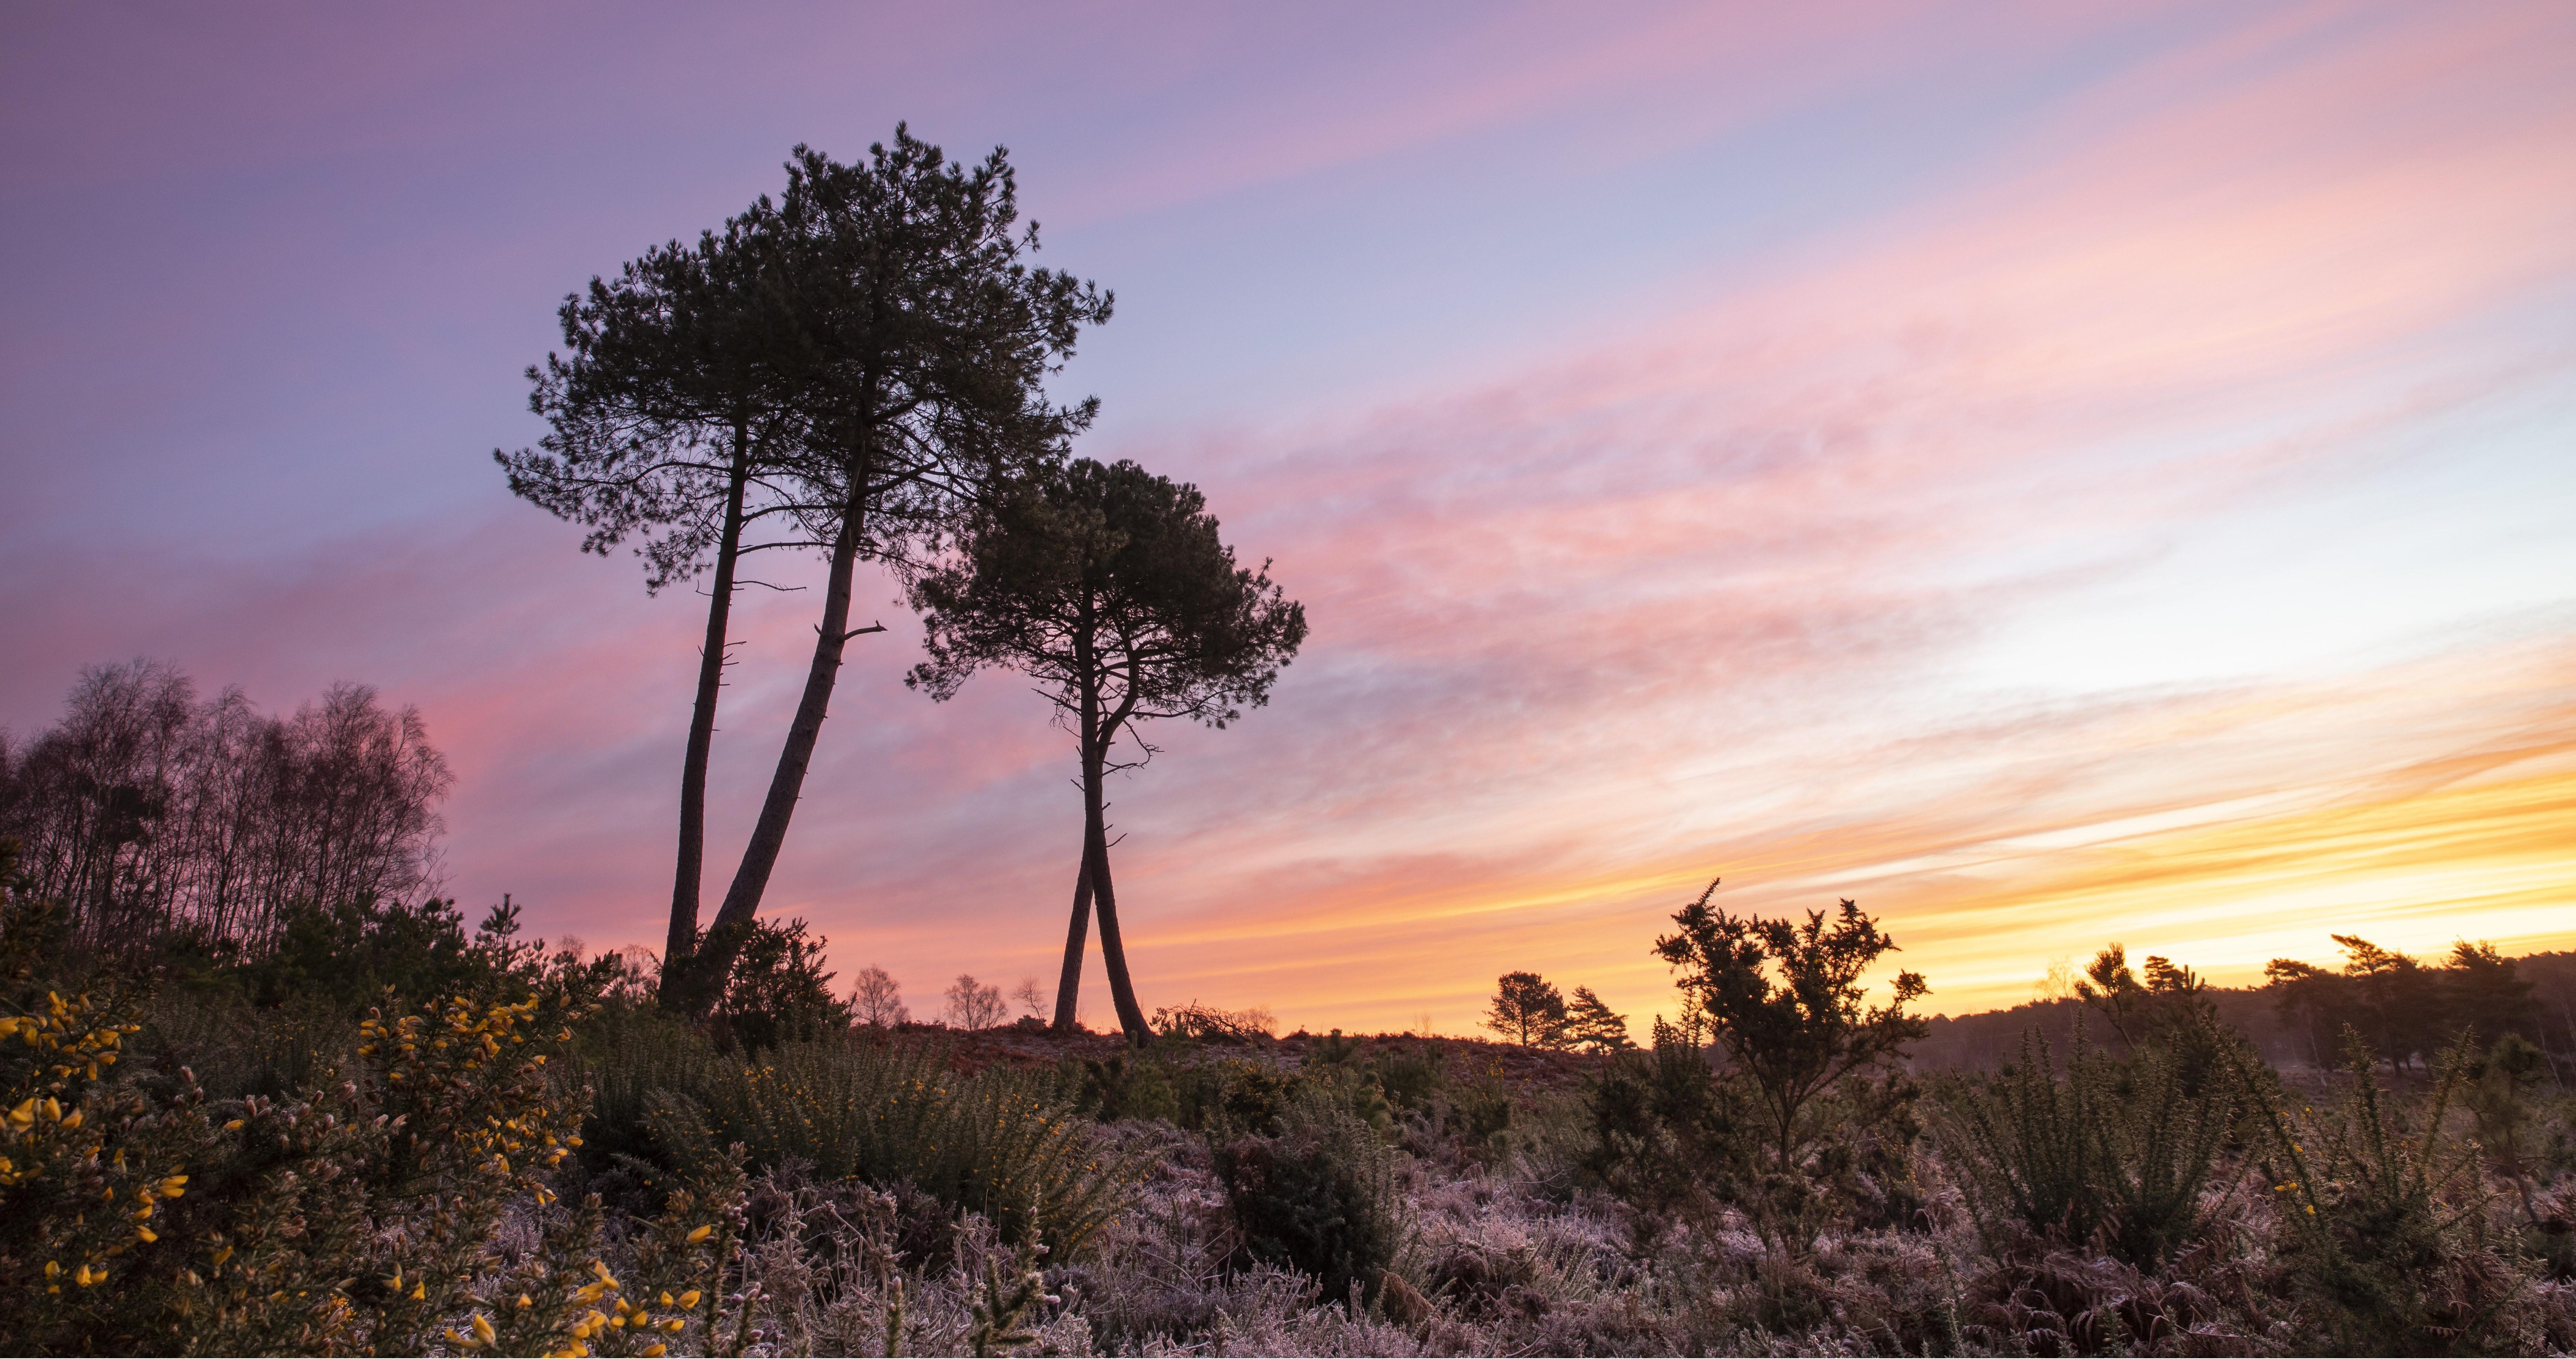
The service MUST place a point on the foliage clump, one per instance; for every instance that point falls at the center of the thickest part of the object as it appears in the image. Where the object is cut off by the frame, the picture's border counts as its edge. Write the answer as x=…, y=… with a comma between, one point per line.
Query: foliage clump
x=1313, y=1190
x=2119, y=1154
x=139, y=1213
x=1006, y=1144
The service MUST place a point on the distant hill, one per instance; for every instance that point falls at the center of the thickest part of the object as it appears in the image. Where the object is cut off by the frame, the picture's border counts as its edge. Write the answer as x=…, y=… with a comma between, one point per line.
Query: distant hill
x=1994, y=1036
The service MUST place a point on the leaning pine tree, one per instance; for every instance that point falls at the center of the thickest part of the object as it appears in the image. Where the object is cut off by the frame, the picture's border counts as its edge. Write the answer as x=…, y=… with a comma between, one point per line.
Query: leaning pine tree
x=667, y=413
x=924, y=343
x=1112, y=588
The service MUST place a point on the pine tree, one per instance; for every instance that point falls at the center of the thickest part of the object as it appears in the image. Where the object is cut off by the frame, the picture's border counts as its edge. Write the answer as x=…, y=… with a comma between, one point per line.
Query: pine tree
x=1528, y=1009
x=924, y=345
x=668, y=411
x=1111, y=587
x=1590, y=1024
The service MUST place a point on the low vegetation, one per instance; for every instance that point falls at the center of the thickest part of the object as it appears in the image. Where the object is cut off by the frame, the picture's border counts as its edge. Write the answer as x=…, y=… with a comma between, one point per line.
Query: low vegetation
x=452, y=1141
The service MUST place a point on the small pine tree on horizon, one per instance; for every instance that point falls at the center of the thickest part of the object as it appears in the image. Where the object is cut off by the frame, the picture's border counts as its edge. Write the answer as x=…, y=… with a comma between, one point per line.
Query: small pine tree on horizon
x=1589, y=1023
x=1528, y=1009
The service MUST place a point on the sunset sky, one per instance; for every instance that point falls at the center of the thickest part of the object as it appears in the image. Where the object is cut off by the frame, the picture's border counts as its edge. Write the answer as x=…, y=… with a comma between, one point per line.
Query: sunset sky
x=2053, y=473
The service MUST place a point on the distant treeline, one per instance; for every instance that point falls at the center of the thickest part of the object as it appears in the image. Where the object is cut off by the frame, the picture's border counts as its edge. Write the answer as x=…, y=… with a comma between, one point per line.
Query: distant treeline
x=147, y=811
x=2407, y=1009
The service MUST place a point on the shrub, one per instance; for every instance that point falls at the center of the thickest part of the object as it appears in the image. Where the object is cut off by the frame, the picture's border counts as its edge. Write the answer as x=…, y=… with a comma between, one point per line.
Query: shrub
x=1007, y=1144
x=2122, y=1151
x=1786, y=1001
x=1794, y=1037
x=1207, y=1024
x=136, y=1213
x=1668, y=1137
x=2385, y=1215
x=1120, y=1087
x=777, y=991
x=1410, y=1074
x=1319, y=1197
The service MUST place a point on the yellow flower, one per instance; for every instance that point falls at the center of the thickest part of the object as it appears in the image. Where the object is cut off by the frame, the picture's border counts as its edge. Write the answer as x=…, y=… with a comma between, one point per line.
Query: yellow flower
x=699, y=1234
x=689, y=1299
x=147, y=1234
x=172, y=1186
x=482, y=1329
x=654, y=1350
x=234, y=1126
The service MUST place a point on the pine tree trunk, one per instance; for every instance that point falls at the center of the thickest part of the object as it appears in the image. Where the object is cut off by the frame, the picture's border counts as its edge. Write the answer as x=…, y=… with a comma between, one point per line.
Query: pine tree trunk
x=702, y=720
x=1068, y=987
x=1104, y=894
x=769, y=835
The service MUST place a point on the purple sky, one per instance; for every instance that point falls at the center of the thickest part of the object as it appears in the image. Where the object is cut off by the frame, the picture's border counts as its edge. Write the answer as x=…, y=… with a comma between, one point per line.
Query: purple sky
x=2054, y=474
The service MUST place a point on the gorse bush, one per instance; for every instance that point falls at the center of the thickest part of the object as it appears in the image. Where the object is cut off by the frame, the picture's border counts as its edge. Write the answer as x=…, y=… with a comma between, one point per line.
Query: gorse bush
x=139, y=1214
x=1122, y=1086
x=1668, y=1137
x=777, y=991
x=2384, y=1213
x=2119, y=1151
x=1007, y=1144
x=1317, y=1194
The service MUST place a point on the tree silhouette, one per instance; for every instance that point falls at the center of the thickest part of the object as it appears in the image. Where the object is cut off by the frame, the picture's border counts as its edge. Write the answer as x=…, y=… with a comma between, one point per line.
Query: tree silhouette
x=923, y=341
x=1111, y=587
x=667, y=413
x=876, y=999
x=1797, y=1035
x=146, y=810
x=1590, y=1023
x=973, y=1004
x=1528, y=1009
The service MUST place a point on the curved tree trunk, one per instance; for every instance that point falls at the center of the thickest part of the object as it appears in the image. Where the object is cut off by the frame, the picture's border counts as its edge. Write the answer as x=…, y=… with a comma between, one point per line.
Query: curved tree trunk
x=769, y=835
x=1113, y=953
x=702, y=721
x=1068, y=986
